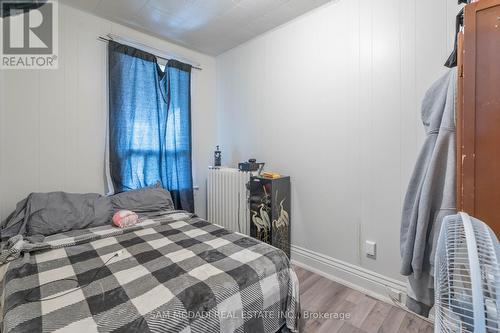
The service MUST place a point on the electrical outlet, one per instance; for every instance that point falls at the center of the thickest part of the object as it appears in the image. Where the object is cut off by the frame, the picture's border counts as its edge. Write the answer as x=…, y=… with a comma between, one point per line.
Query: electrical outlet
x=371, y=249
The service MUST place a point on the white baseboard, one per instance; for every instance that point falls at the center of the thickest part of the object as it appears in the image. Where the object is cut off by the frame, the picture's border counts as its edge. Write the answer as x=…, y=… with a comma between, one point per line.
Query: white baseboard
x=366, y=281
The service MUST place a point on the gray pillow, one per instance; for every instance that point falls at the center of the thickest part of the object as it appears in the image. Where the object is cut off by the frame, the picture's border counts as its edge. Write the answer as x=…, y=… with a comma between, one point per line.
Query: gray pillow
x=55, y=212
x=144, y=200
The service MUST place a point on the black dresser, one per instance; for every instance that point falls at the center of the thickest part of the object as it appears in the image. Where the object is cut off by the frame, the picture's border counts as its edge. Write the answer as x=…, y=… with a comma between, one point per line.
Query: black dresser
x=270, y=211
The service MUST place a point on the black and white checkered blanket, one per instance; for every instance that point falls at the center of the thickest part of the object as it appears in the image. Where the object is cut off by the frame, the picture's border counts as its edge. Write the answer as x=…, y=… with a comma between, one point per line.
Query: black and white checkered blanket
x=171, y=273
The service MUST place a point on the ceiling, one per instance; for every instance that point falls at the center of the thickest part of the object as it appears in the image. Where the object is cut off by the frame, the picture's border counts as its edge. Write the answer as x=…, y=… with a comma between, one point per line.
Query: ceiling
x=208, y=26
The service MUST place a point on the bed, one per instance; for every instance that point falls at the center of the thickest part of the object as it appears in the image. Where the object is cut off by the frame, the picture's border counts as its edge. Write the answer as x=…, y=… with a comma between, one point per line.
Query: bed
x=171, y=272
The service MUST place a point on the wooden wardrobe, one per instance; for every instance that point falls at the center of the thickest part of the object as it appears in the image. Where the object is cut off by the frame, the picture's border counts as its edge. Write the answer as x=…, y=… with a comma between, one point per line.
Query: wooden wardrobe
x=478, y=113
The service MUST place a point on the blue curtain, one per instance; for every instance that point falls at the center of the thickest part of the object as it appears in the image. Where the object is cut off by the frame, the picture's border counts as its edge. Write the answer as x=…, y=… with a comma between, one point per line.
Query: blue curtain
x=149, y=124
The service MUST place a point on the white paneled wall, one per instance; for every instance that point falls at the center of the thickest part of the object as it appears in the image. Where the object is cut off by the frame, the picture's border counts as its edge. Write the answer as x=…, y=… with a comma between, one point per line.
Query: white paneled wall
x=53, y=122
x=333, y=100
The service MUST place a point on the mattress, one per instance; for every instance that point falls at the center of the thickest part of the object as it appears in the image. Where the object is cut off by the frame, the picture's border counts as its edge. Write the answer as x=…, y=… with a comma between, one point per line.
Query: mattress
x=172, y=272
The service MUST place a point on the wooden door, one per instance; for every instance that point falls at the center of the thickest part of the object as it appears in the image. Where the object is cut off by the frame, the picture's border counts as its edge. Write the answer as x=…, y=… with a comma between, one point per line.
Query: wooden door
x=478, y=114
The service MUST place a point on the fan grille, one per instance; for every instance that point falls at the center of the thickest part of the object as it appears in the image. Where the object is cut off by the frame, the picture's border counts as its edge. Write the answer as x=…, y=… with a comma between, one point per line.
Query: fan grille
x=467, y=247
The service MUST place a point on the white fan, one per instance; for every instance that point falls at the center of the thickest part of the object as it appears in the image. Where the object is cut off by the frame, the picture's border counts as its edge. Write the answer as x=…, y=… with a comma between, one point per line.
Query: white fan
x=467, y=277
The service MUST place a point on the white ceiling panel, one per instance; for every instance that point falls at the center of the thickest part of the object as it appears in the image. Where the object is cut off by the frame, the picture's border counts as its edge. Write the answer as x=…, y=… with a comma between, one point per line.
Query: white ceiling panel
x=298, y=7
x=122, y=10
x=270, y=20
x=209, y=26
x=154, y=20
x=172, y=6
x=88, y=5
x=258, y=8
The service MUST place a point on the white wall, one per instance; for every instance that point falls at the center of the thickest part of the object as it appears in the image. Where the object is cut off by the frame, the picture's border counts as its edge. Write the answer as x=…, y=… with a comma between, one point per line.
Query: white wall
x=52, y=122
x=333, y=100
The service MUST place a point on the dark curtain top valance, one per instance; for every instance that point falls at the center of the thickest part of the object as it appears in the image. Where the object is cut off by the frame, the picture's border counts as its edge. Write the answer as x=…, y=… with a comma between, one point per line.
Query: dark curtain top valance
x=131, y=51
x=137, y=53
x=179, y=65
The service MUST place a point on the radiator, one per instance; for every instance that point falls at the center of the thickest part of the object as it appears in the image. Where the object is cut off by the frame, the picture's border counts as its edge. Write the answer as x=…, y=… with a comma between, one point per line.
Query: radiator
x=227, y=199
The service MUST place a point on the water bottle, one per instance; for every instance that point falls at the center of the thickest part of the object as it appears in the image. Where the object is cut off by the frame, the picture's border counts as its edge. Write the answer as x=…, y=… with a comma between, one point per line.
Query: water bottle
x=217, y=157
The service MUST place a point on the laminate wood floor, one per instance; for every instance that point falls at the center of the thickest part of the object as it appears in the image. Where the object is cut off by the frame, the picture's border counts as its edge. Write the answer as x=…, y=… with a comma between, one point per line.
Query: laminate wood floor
x=366, y=314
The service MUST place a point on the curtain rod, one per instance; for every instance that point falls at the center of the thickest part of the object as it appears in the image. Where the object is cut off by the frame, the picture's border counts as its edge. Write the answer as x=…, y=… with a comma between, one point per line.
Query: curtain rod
x=109, y=37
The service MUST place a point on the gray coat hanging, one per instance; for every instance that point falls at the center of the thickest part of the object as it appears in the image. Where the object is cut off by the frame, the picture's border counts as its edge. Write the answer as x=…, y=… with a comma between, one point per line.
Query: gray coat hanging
x=431, y=193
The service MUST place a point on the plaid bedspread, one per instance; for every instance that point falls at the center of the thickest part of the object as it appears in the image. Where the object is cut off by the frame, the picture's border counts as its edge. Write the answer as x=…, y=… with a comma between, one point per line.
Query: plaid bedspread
x=171, y=273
